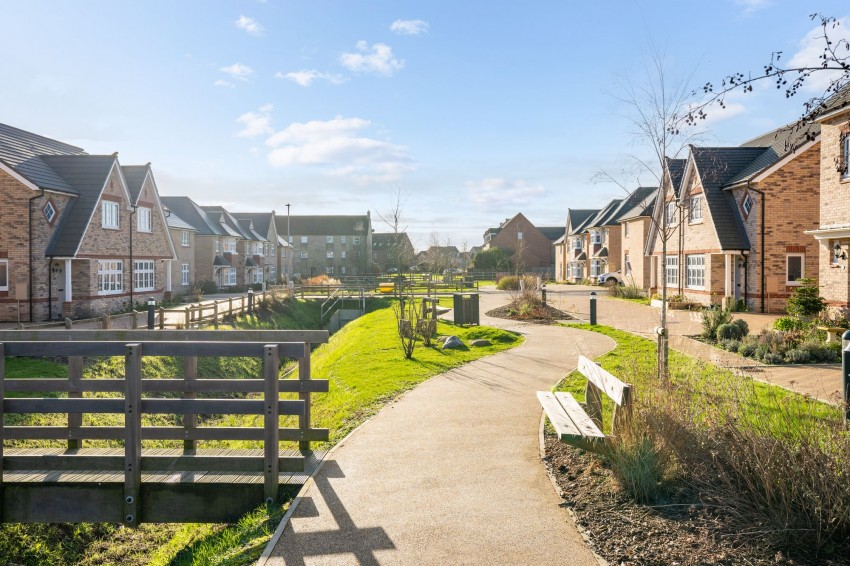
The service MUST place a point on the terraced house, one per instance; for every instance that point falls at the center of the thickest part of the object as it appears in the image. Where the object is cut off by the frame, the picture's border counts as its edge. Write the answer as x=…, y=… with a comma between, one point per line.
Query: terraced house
x=574, y=248
x=79, y=234
x=738, y=218
x=333, y=245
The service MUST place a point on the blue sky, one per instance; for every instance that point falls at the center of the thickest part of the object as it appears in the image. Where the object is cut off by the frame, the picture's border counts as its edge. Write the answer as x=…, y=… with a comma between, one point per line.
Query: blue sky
x=475, y=110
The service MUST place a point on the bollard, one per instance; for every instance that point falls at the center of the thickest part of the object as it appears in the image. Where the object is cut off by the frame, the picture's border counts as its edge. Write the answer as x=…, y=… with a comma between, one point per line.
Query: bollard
x=593, y=308
x=845, y=369
x=250, y=302
x=543, y=293
x=151, y=313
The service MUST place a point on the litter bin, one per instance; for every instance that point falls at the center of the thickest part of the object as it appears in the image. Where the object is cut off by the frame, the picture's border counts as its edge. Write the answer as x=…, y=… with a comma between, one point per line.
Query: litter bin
x=466, y=308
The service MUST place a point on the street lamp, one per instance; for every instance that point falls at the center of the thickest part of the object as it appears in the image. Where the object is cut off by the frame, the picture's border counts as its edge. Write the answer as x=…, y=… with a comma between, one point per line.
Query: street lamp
x=288, y=243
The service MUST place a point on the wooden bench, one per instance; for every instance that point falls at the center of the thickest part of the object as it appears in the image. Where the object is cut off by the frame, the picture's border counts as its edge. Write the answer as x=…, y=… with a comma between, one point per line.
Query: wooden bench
x=581, y=424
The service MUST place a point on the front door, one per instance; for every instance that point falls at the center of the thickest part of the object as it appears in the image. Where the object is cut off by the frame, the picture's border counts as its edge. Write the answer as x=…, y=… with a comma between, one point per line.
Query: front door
x=737, y=276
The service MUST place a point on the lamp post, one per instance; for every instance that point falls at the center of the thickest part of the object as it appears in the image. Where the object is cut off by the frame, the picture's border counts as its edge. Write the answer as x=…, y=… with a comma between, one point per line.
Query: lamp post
x=289, y=243
x=151, y=313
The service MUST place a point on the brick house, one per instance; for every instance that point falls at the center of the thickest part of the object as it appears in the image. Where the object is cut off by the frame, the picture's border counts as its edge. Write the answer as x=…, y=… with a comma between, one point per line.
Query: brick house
x=634, y=231
x=333, y=245
x=574, y=252
x=74, y=239
x=391, y=250
x=595, y=240
x=833, y=230
x=738, y=218
x=183, y=267
x=531, y=246
x=276, y=262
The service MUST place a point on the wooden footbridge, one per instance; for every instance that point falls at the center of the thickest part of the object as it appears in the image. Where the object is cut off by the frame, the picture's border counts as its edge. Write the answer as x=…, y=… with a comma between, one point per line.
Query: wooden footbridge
x=48, y=474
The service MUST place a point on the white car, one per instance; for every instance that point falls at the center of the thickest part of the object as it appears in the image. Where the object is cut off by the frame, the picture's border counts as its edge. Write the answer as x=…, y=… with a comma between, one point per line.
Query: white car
x=610, y=278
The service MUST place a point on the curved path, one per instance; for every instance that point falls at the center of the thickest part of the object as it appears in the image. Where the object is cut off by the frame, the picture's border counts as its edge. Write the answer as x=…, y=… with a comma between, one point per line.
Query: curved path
x=450, y=473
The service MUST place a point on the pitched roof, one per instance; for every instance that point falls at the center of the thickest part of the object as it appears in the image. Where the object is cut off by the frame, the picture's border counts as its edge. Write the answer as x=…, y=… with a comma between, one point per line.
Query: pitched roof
x=249, y=229
x=193, y=214
x=262, y=220
x=604, y=216
x=324, y=225
x=776, y=144
x=716, y=167
x=637, y=197
x=642, y=208
x=135, y=176
x=385, y=239
x=228, y=223
x=675, y=168
x=175, y=221
x=87, y=174
x=23, y=151
x=577, y=218
x=552, y=232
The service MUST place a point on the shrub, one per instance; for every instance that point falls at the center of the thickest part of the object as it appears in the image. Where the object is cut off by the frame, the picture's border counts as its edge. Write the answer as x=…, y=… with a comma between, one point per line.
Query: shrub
x=747, y=349
x=712, y=318
x=742, y=326
x=805, y=301
x=797, y=356
x=728, y=331
x=638, y=466
x=788, y=323
x=773, y=358
x=730, y=345
x=208, y=287
x=820, y=352
x=626, y=292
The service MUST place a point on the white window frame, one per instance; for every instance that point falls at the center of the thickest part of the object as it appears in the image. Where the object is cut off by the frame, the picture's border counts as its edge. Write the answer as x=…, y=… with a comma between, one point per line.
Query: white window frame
x=110, y=276
x=304, y=254
x=229, y=246
x=596, y=267
x=343, y=239
x=329, y=254
x=229, y=278
x=670, y=211
x=305, y=239
x=845, y=151
x=283, y=252
x=519, y=235
x=595, y=237
x=184, y=238
x=184, y=274
x=695, y=271
x=628, y=266
x=577, y=245
x=110, y=212
x=272, y=274
x=577, y=270
x=747, y=204
x=355, y=240
x=329, y=270
x=796, y=282
x=671, y=271
x=144, y=275
x=4, y=274
x=218, y=246
x=625, y=229
x=695, y=209
x=329, y=239
x=51, y=215
x=343, y=254
x=257, y=275
x=144, y=222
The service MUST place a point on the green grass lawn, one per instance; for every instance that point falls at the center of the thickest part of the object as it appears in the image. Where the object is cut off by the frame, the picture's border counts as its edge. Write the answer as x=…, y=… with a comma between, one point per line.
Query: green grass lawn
x=633, y=361
x=366, y=369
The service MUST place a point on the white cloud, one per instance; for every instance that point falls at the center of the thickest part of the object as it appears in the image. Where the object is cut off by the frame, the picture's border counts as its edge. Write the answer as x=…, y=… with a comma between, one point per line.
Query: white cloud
x=377, y=59
x=306, y=77
x=339, y=146
x=494, y=192
x=811, y=48
x=249, y=25
x=256, y=123
x=224, y=83
x=751, y=6
x=238, y=71
x=409, y=27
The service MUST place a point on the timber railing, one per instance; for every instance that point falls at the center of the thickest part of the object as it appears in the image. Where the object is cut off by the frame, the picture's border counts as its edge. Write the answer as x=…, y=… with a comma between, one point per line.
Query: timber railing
x=138, y=482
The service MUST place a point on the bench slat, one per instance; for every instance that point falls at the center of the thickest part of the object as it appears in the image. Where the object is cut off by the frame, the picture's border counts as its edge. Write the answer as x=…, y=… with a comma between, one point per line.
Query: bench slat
x=612, y=386
x=580, y=418
x=564, y=426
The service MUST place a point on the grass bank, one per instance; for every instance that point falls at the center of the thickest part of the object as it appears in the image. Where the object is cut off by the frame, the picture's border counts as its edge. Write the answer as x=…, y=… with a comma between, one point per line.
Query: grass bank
x=366, y=369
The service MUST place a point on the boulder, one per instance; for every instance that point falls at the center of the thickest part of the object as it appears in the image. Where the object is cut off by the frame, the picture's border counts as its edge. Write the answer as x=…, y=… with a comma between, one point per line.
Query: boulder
x=481, y=342
x=452, y=342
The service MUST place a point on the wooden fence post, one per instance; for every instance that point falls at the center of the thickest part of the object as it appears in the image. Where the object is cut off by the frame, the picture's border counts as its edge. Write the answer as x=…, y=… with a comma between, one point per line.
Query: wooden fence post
x=304, y=375
x=132, y=433
x=106, y=322
x=215, y=314
x=161, y=318
x=75, y=391
x=271, y=438
x=229, y=306
x=190, y=421
x=188, y=319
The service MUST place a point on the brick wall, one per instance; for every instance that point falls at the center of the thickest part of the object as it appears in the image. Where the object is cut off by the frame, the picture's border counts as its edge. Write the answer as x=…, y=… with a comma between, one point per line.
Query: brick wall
x=834, y=278
x=533, y=251
x=185, y=254
x=634, y=245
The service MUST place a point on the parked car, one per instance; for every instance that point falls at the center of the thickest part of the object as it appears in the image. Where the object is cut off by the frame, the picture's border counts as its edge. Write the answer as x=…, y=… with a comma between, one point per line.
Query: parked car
x=452, y=271
x=610, y=278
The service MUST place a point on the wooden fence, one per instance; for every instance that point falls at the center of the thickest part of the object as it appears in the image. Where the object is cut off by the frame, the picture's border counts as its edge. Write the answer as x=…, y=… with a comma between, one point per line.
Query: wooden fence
x=136, y=483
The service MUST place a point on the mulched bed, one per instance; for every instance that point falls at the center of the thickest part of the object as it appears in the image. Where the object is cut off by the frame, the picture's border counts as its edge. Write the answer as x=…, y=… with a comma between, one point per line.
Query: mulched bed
x=542, y=315
x=677, y=530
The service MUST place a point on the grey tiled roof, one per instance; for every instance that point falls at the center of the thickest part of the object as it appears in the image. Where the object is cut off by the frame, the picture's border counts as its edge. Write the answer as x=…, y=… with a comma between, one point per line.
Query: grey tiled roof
x=194, y=215
x=135, y=176
x=603, y=217
x=22, y=151
x=552, y=232
x=248, y=229
x=642, y=208
x=776, y=144
x=175, y=221
x=324, y=225
x=261, y=220
x=638, y=197
x=87, y=174
x=716, y=166
x=227, y=222
x=577, y=218
x=676, y=168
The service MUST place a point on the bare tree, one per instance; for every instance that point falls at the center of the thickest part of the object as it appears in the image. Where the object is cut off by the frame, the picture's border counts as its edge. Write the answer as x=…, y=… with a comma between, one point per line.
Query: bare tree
x=658, y=107
x=393, y=218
